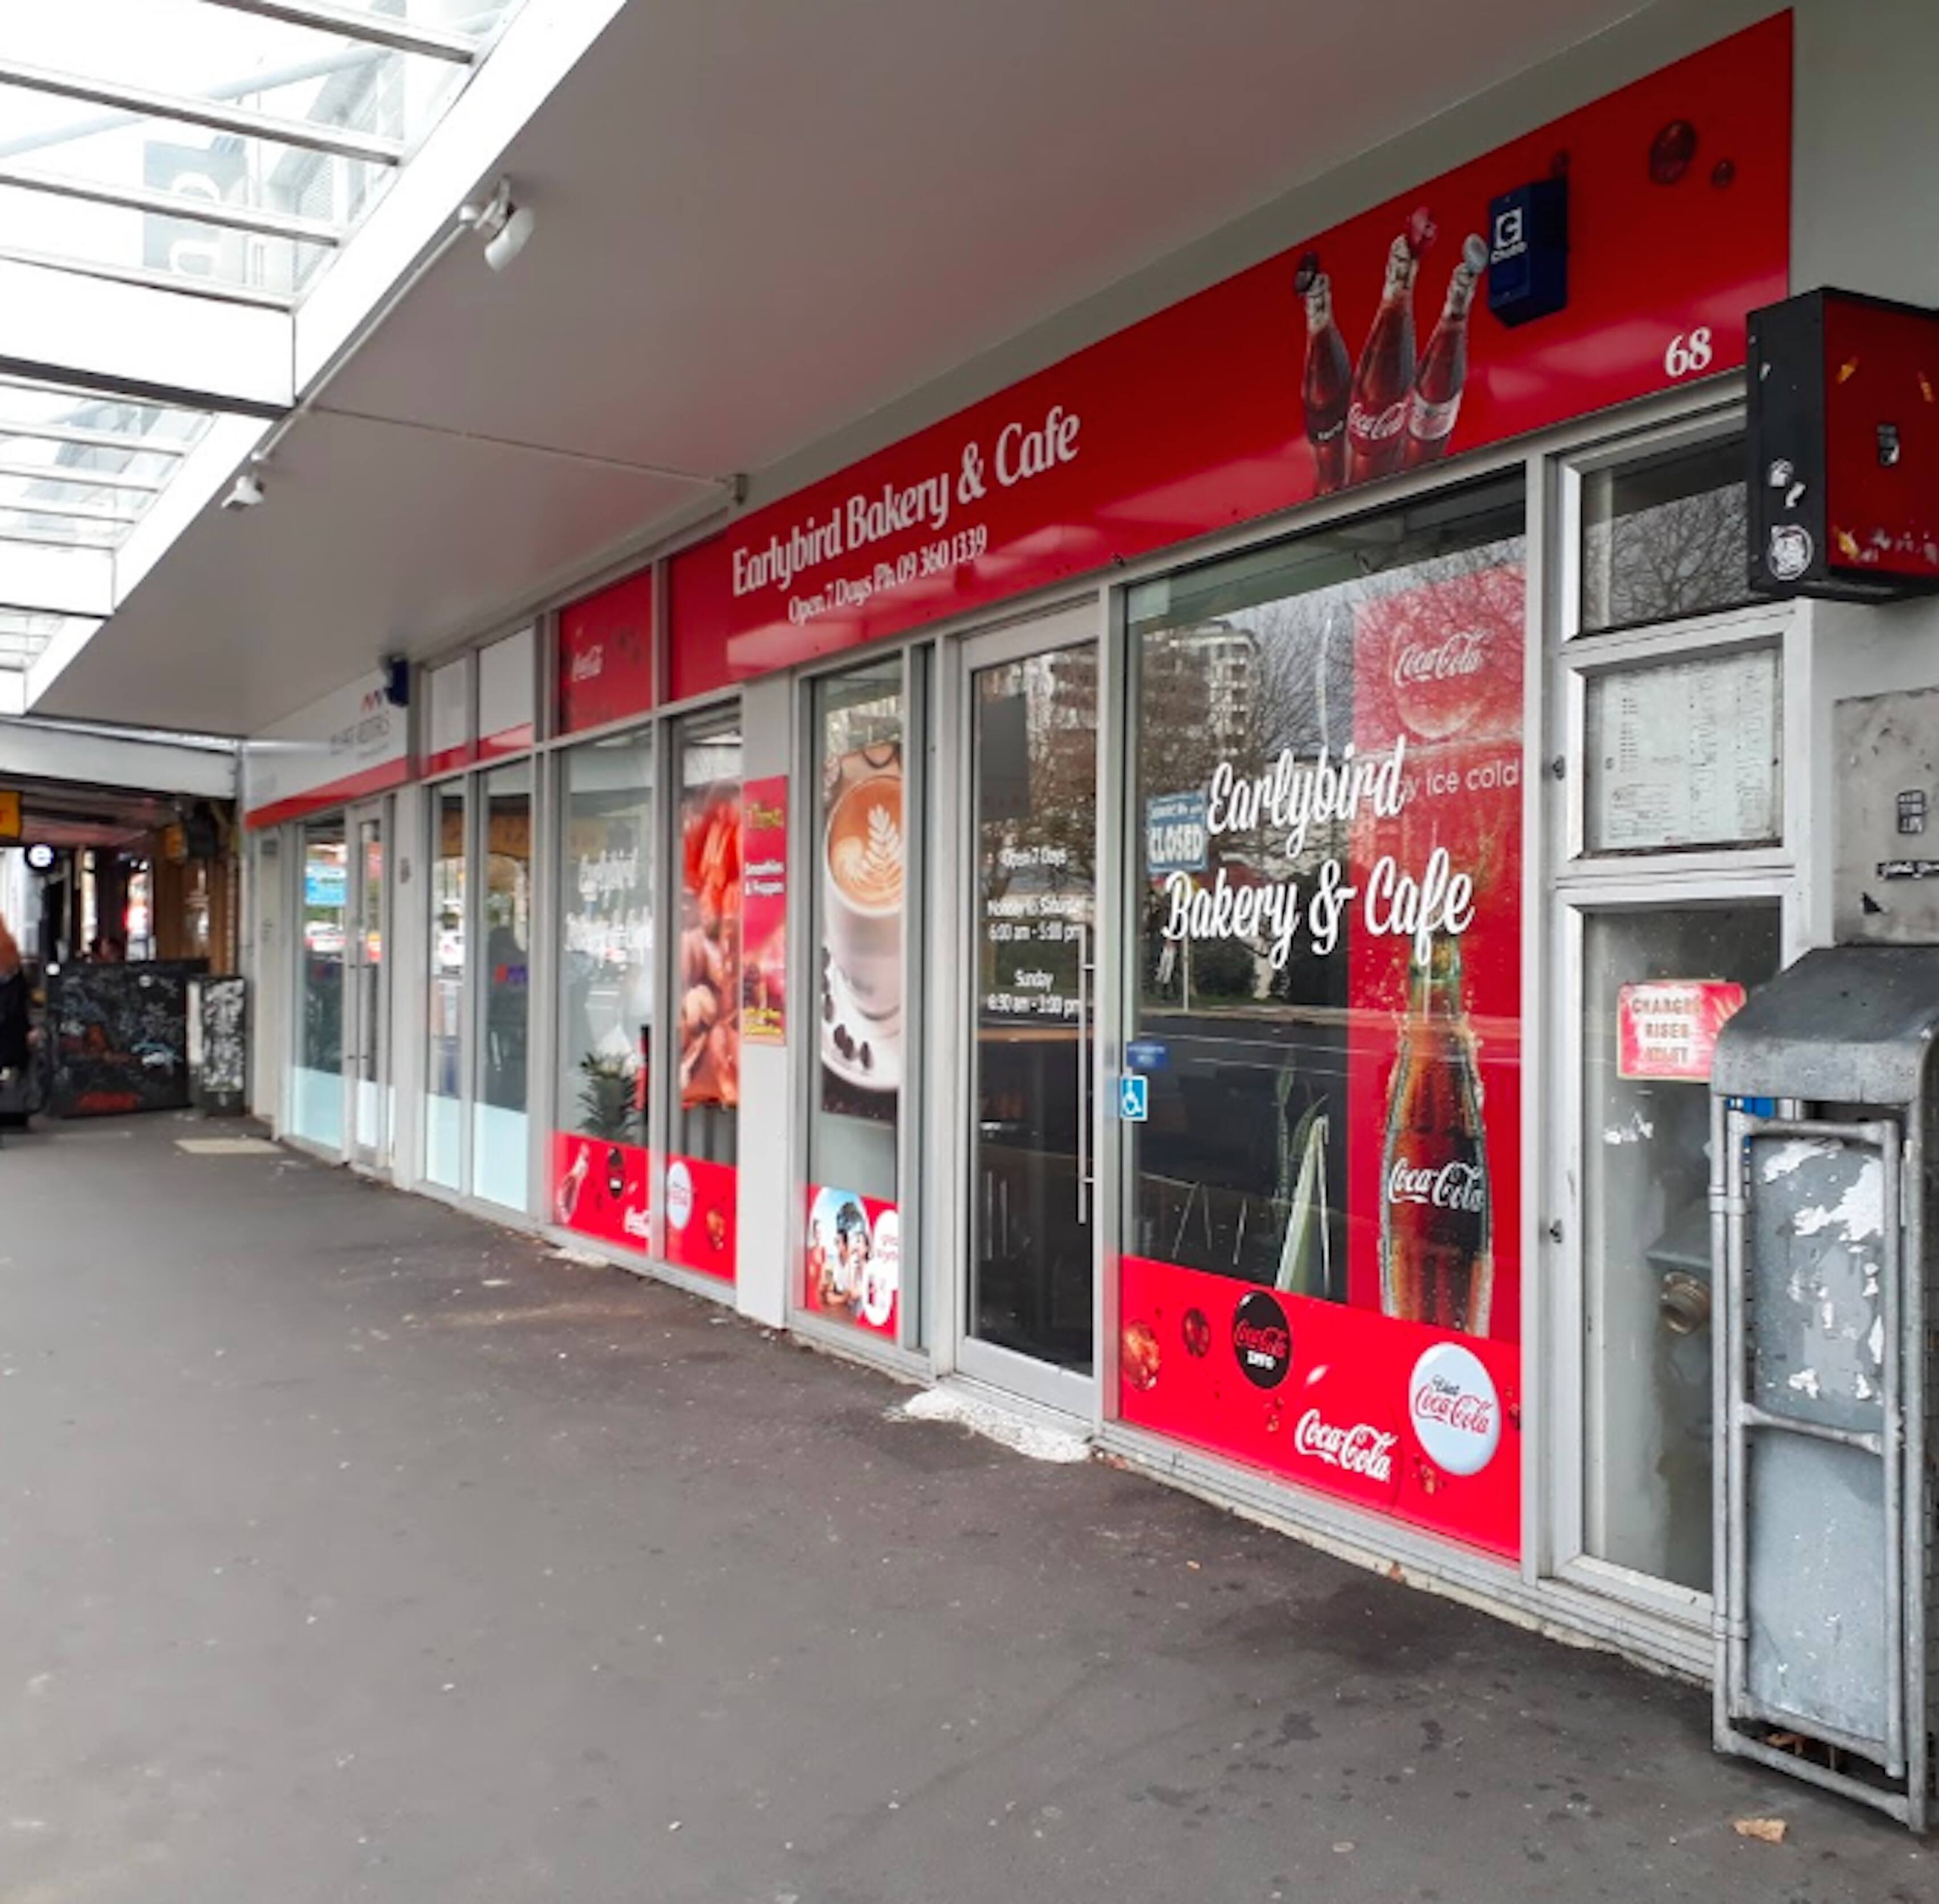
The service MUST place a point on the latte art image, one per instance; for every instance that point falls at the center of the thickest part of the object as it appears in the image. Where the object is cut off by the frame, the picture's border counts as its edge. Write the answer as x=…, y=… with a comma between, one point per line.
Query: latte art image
x=867, y=862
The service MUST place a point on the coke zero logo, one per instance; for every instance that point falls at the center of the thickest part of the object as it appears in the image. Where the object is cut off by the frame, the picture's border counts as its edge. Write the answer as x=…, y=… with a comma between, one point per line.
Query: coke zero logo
x=1456, y=1186
x=1361, y=1450
x=1465, y=652
x=1262, y=1340
x=1456, y=1412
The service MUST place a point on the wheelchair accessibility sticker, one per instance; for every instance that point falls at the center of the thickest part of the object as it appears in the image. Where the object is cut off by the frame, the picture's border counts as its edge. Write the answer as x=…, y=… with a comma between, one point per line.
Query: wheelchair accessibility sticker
x=1133, y=1098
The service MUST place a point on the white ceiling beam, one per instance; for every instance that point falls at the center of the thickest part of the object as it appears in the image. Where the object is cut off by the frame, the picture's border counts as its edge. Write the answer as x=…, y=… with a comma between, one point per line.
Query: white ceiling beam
x=219, y=212
x=187, y=109
x=143, y=341
x=96, y=757
x=13, y=427
x=77, y=475
x=12, y=691
x=76, y=581
x=358, y=23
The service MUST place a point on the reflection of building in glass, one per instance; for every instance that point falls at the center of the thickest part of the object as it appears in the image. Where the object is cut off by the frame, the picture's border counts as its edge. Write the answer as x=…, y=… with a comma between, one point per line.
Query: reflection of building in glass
x=1206, y=677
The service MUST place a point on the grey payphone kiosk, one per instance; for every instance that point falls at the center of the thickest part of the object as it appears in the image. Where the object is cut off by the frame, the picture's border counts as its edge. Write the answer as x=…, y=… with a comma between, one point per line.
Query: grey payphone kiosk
x=1822, y=1125
x=1825, y=1122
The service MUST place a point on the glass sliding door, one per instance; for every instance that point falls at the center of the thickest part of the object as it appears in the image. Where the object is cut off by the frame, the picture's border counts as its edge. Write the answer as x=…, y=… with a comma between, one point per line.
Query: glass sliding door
x=446, y=1084
x=499, y=1136
x=1027, y=1300
x=316, y=1096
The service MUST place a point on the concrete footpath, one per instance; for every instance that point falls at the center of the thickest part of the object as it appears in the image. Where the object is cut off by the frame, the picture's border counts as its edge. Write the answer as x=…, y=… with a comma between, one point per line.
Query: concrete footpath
x=350, y=1547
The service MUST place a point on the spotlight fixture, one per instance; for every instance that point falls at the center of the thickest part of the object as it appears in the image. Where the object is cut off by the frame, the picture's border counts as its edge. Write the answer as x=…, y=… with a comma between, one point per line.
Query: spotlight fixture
x=503, y=226
x=245, y=492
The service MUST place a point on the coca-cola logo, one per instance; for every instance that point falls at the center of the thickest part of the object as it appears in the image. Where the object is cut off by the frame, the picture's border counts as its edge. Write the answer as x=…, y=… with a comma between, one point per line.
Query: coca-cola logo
x=1462, y=652
x=1361, y=1450
x=1457, y=1185
x=588, y=664
x=1452, y=1402
x=1261, y=1340
x=1372, y=426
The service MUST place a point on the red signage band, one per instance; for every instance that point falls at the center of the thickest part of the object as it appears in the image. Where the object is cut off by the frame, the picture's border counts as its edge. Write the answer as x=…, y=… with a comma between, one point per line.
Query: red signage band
x=361, y=785
x=1368, y=350
x=605, y=655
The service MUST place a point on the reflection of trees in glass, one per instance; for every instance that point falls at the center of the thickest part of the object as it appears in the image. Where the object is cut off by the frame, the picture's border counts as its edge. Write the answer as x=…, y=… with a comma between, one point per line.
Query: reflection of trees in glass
x=1665, y=536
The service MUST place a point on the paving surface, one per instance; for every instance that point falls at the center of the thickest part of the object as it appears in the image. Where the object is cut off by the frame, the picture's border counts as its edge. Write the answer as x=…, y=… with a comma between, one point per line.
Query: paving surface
x=349, y=1548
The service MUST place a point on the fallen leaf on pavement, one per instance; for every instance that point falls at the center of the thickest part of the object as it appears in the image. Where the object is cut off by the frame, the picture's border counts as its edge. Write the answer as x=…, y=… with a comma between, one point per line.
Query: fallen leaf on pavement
x=1771, y=1830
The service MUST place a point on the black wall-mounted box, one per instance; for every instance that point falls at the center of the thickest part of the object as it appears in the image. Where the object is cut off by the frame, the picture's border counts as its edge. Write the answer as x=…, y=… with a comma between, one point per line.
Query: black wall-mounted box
x=1528, y=251
x=1844, y=448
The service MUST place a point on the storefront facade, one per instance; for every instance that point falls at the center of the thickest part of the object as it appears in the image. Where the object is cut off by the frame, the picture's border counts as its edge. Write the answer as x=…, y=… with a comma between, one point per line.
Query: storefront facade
x=1192, y=895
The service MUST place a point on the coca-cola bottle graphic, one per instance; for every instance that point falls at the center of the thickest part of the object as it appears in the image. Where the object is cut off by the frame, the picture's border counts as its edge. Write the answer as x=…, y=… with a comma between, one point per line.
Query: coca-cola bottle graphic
x=1384, y=378
x=1327, y=384
x=1436, y=401
x=1437, y=1254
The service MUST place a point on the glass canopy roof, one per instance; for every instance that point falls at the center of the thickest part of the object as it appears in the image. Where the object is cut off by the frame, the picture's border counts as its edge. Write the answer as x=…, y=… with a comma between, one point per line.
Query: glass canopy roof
x=220, y=149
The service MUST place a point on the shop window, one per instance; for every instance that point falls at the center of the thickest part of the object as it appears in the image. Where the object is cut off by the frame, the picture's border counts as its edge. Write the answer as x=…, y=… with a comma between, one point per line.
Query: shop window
x=444, y=1079
x=601, y=1172
x=316, y=1109
x=857, y=895
x=702, y=1191
x=1656, y=986
x=499, y=1132
x=1327, y=1019
x=1665, y=535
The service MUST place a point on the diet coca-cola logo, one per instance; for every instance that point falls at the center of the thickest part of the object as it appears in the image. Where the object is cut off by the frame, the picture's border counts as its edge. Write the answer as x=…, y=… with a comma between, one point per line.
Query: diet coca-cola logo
x=1456, y=1412
x=1463, y=653
x=1261, y=1340
x=1361, y=1450
x=1456, y=1185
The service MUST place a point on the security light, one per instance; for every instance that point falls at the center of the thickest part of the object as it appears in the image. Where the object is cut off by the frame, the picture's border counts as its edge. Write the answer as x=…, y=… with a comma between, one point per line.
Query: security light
x=245, y=492
x=504, y=227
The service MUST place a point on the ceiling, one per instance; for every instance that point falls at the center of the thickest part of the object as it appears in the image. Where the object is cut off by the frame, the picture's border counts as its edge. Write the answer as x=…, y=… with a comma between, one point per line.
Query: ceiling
x=757, y=224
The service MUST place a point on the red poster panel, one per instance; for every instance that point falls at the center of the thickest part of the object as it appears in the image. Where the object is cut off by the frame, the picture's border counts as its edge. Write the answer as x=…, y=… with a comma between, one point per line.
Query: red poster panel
x=703, y=1216
x=605, y=655
x=1408, y=1421
x=1434, y=962
x=709, y=942
x=1286, y=381
x=764, y=910
x=601, y=1189
x=1667, y=1028
x=853, y=1270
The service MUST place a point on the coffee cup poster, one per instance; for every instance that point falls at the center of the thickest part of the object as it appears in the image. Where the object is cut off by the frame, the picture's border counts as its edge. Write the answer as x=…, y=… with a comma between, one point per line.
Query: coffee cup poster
x=1326, y=1279
x=861, y=869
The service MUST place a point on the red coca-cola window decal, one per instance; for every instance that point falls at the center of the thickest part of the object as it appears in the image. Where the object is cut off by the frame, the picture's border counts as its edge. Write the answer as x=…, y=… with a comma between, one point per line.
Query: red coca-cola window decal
x=1329, y=750
x=605, y=658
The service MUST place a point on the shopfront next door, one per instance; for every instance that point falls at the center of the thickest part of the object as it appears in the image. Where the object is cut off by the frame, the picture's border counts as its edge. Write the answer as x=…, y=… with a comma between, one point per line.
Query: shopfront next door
x=1026, y=1299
